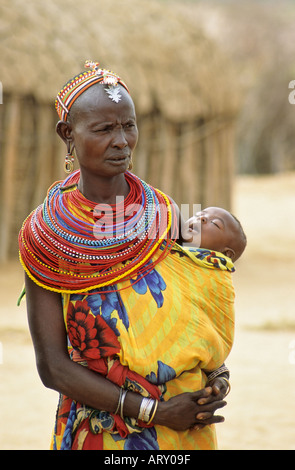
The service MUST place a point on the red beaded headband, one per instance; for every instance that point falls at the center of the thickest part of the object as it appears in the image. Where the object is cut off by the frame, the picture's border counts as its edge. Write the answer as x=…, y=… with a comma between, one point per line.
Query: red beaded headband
x=72, y=90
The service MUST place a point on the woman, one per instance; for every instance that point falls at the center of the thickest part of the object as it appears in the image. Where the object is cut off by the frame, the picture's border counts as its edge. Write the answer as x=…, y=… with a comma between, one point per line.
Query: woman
x=106, y=309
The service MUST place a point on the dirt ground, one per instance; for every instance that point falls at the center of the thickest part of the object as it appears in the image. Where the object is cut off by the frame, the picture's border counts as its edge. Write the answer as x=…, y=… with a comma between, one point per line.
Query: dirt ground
x=260, y=413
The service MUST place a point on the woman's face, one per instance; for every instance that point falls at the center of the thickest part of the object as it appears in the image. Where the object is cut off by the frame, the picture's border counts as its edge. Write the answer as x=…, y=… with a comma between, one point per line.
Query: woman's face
x=103, y=132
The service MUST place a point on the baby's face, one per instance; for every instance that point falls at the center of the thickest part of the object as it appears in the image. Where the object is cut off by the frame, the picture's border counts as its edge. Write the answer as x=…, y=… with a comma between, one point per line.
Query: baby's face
x=213, y=228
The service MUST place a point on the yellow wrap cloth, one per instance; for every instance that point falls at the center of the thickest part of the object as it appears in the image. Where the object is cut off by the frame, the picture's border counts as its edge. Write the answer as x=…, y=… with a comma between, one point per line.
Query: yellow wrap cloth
x=169, y=327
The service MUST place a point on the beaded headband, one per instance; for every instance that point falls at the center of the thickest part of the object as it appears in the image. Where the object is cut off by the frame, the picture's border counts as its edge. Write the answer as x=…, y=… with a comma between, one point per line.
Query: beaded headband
x=73, y=89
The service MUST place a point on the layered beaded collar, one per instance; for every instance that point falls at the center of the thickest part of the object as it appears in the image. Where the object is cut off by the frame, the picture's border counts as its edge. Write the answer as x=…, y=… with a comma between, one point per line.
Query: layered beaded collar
x=70, y=244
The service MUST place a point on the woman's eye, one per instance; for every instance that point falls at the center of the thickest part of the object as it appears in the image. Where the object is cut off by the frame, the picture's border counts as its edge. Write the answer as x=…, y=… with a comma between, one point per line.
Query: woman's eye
x=101, y=130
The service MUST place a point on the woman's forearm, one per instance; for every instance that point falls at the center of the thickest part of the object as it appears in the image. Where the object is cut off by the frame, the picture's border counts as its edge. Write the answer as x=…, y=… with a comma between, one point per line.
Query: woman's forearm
x=57, y=371
x=86, y=386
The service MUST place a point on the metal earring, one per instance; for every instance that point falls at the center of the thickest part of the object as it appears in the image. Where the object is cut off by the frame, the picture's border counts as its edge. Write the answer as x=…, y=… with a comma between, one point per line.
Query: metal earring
x=69, y=160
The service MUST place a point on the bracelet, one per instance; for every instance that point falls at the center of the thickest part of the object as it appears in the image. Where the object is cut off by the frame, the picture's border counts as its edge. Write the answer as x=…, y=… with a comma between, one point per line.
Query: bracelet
x=122, y=403
x=146, y=416
x=119, y=401
x=217, y=372
x=145, y=409
x=143, y=405
x=228, y=386
x=154, y=412
x=142, y=408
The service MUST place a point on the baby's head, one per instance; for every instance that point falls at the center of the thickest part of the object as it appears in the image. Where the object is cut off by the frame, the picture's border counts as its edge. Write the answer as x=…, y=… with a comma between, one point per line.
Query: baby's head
x=216, y=229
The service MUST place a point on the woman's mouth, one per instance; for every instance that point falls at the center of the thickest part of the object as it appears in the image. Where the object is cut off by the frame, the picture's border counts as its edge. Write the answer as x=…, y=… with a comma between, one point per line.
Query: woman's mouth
x=118, y=158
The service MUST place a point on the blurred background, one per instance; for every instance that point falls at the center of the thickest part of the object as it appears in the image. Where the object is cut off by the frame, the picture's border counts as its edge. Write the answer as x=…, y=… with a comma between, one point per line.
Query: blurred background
x=212, y=86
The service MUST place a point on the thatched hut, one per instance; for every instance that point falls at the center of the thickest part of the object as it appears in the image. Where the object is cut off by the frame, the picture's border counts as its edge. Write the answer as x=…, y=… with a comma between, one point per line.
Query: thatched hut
x=179, y=81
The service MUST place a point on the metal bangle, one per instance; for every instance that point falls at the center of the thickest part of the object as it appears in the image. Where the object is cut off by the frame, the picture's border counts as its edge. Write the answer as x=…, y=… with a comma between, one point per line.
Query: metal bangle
x=148, y=410
x=217, y=372
x=122, y=403
x=142, y=408
x=154, y=412
x=119, y=401
x=145, y=409
x=228, y=386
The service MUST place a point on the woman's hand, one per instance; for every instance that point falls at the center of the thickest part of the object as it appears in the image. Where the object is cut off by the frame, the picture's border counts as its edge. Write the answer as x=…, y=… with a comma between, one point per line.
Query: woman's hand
x=190, y=410
x=220, y=388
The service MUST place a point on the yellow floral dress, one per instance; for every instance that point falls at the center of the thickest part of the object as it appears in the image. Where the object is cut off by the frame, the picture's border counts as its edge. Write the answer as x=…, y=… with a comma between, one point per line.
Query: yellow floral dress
x=156, y=335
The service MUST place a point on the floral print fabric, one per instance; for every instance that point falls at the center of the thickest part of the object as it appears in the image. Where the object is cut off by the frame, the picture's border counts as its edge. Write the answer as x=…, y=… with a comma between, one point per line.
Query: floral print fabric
x=156, y=336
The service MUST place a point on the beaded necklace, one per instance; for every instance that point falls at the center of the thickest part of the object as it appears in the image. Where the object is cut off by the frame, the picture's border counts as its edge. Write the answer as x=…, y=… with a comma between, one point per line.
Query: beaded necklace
x=70, y=244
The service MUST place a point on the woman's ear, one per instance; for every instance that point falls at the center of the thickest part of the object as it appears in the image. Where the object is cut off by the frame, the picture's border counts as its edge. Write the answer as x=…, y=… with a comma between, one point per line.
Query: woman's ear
x=64, y=130
x=230, y=253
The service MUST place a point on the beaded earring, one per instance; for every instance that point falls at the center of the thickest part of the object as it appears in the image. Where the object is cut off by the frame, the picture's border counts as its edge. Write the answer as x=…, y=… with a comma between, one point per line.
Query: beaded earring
x=69, y=160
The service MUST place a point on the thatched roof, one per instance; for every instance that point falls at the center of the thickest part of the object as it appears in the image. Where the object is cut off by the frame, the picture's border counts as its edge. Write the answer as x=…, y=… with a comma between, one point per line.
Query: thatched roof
x=167, y=63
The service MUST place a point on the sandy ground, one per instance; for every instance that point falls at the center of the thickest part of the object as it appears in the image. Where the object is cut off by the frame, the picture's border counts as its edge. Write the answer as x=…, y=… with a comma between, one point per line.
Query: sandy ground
x=260, y=413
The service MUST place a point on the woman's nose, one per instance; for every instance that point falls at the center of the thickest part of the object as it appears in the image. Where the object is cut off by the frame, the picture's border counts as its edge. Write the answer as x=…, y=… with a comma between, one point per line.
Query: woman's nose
x=119, y=139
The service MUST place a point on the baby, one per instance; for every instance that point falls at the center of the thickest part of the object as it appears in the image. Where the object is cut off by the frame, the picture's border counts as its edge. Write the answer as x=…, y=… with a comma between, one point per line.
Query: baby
x=216, y=229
